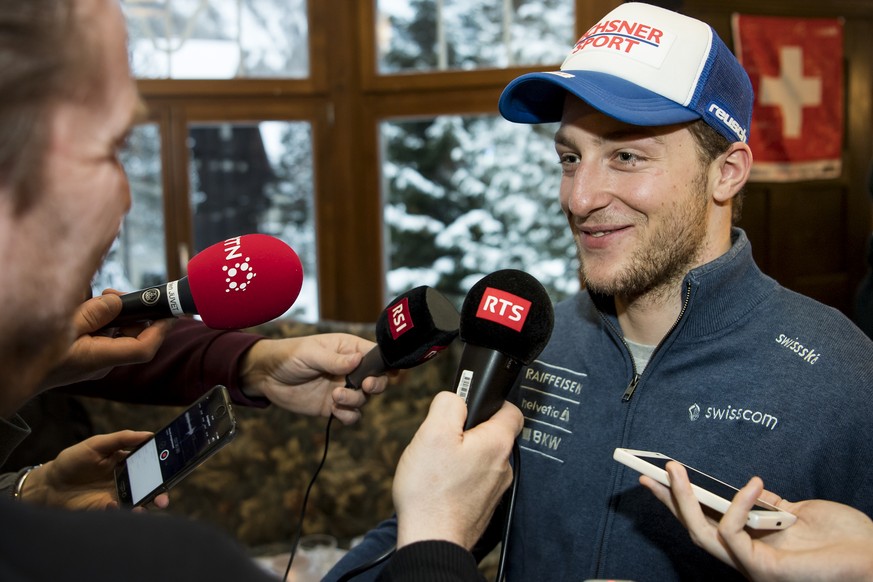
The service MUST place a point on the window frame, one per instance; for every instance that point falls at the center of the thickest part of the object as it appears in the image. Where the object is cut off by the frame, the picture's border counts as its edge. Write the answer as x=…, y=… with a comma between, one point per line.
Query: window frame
x=344, y=99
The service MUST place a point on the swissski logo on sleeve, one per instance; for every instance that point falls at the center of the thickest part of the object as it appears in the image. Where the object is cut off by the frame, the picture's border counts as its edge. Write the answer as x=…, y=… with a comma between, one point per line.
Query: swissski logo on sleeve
x=796, y=69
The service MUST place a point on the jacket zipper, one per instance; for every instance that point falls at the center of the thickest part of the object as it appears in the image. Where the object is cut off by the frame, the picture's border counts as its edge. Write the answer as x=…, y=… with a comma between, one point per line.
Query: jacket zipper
x=635, y=380
x=631, y=388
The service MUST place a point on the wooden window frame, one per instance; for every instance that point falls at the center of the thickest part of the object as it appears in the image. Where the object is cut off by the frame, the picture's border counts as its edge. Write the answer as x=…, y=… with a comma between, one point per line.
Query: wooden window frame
x=345, y=100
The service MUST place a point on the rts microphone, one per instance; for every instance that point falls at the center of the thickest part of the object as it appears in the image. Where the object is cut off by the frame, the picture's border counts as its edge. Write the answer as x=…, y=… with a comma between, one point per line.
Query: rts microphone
x=414, y=328
x=506, y=321
x=240, y=282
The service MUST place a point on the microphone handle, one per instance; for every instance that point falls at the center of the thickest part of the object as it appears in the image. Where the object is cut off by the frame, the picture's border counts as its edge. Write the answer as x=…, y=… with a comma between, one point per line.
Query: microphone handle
x=372, y=364
x=485, y=377
x=168, y=300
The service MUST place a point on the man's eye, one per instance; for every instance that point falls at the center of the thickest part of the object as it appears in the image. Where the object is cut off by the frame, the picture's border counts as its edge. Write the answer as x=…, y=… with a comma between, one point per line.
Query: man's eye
x=568, y=161
x=628, y=158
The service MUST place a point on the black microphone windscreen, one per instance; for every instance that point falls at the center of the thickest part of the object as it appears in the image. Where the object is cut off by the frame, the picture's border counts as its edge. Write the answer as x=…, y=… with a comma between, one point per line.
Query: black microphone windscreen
x=508, y=311
x=415, y=326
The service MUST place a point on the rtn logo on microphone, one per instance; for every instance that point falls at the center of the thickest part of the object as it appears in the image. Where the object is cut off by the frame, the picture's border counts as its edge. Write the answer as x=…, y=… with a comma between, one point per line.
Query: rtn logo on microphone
x=503, y=308
x=240, y=275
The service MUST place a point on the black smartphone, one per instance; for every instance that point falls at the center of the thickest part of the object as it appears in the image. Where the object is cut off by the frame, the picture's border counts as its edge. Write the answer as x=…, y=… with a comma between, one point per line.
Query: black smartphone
x=174, y=451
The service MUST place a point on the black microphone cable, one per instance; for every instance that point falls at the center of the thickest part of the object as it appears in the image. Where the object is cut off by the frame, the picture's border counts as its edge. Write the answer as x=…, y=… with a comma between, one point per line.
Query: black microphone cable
x=507, y=522
x=506, y=321
x=413, y=329
x=296, y=539
x=400, y=345
x=354, y=571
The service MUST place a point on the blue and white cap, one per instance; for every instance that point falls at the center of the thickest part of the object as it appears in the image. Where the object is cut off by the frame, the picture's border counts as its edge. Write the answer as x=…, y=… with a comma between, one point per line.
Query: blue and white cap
x=642, y=65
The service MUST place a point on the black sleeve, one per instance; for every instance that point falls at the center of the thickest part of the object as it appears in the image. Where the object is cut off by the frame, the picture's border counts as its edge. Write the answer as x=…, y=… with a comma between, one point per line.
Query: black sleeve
x=431, y=561
x=39, y=544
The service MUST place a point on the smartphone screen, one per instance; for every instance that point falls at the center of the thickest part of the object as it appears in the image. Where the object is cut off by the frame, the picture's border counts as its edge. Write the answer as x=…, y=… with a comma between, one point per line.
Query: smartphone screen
x=176, y=449
x=709, y=491
x=708, y=482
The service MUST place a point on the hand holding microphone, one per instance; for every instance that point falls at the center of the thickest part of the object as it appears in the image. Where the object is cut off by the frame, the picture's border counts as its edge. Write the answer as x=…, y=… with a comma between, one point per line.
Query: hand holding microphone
x=240, y=282
x=463, y=472
x=93, y=355
x=506, y=321
x=414, y=328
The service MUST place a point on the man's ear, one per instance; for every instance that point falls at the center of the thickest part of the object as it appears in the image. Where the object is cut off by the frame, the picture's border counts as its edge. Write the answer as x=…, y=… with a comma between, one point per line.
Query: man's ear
x=732, y=171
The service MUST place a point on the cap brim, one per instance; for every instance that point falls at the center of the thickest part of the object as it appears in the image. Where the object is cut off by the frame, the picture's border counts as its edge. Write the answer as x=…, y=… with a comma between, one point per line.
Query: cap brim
x=539, y=98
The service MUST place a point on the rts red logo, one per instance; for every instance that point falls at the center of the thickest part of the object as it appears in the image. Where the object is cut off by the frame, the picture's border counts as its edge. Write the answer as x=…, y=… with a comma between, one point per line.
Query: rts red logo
x=399, y=318
x=503, y=308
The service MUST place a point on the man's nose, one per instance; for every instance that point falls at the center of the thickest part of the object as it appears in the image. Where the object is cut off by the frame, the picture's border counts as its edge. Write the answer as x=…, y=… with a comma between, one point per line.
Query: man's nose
x=589, y=190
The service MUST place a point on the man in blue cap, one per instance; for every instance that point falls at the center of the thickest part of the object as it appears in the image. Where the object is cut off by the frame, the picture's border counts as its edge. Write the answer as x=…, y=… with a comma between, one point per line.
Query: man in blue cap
x=679, y=343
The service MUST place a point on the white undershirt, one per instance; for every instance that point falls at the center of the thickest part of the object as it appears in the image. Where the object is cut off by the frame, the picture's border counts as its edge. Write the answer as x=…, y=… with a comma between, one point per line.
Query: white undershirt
x=641, y=354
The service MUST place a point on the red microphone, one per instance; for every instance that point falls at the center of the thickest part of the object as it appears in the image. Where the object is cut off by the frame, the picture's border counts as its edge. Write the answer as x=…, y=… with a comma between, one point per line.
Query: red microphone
x=240, y=282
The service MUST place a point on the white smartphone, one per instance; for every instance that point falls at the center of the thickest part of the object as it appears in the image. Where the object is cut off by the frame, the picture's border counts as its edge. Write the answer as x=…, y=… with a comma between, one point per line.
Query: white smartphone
x=709, y=491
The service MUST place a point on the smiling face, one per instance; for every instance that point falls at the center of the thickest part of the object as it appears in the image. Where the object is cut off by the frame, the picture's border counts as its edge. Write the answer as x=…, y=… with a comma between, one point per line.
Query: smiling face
x=637, y=202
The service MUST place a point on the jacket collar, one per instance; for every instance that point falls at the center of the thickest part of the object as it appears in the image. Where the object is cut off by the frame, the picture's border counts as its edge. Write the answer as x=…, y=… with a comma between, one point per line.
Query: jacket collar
x=720, y=292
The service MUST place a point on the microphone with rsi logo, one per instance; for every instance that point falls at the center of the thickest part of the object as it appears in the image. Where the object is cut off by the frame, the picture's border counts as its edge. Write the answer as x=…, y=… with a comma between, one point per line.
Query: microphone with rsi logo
x=506, y=321
x=240, y=282
x=414, y=328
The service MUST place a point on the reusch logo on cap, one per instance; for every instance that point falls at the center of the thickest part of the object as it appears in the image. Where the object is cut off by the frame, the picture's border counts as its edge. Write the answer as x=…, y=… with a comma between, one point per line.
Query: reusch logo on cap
x=503, y=308
x=400, y=320
x=728, y=121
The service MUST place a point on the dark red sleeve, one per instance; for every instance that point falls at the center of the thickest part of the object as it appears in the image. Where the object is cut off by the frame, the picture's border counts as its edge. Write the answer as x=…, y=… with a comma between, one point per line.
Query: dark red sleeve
x=192, y=359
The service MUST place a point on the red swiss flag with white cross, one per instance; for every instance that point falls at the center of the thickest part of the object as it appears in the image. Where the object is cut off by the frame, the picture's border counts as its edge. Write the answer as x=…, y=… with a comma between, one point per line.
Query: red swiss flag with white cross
x=796, y=69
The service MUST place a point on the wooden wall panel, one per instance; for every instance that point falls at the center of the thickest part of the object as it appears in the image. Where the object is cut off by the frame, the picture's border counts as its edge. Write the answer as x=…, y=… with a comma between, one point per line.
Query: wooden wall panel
x=812, y=236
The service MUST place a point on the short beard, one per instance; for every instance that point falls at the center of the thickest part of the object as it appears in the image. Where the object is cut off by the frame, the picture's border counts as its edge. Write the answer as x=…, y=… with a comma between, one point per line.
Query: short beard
x=656, y=268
